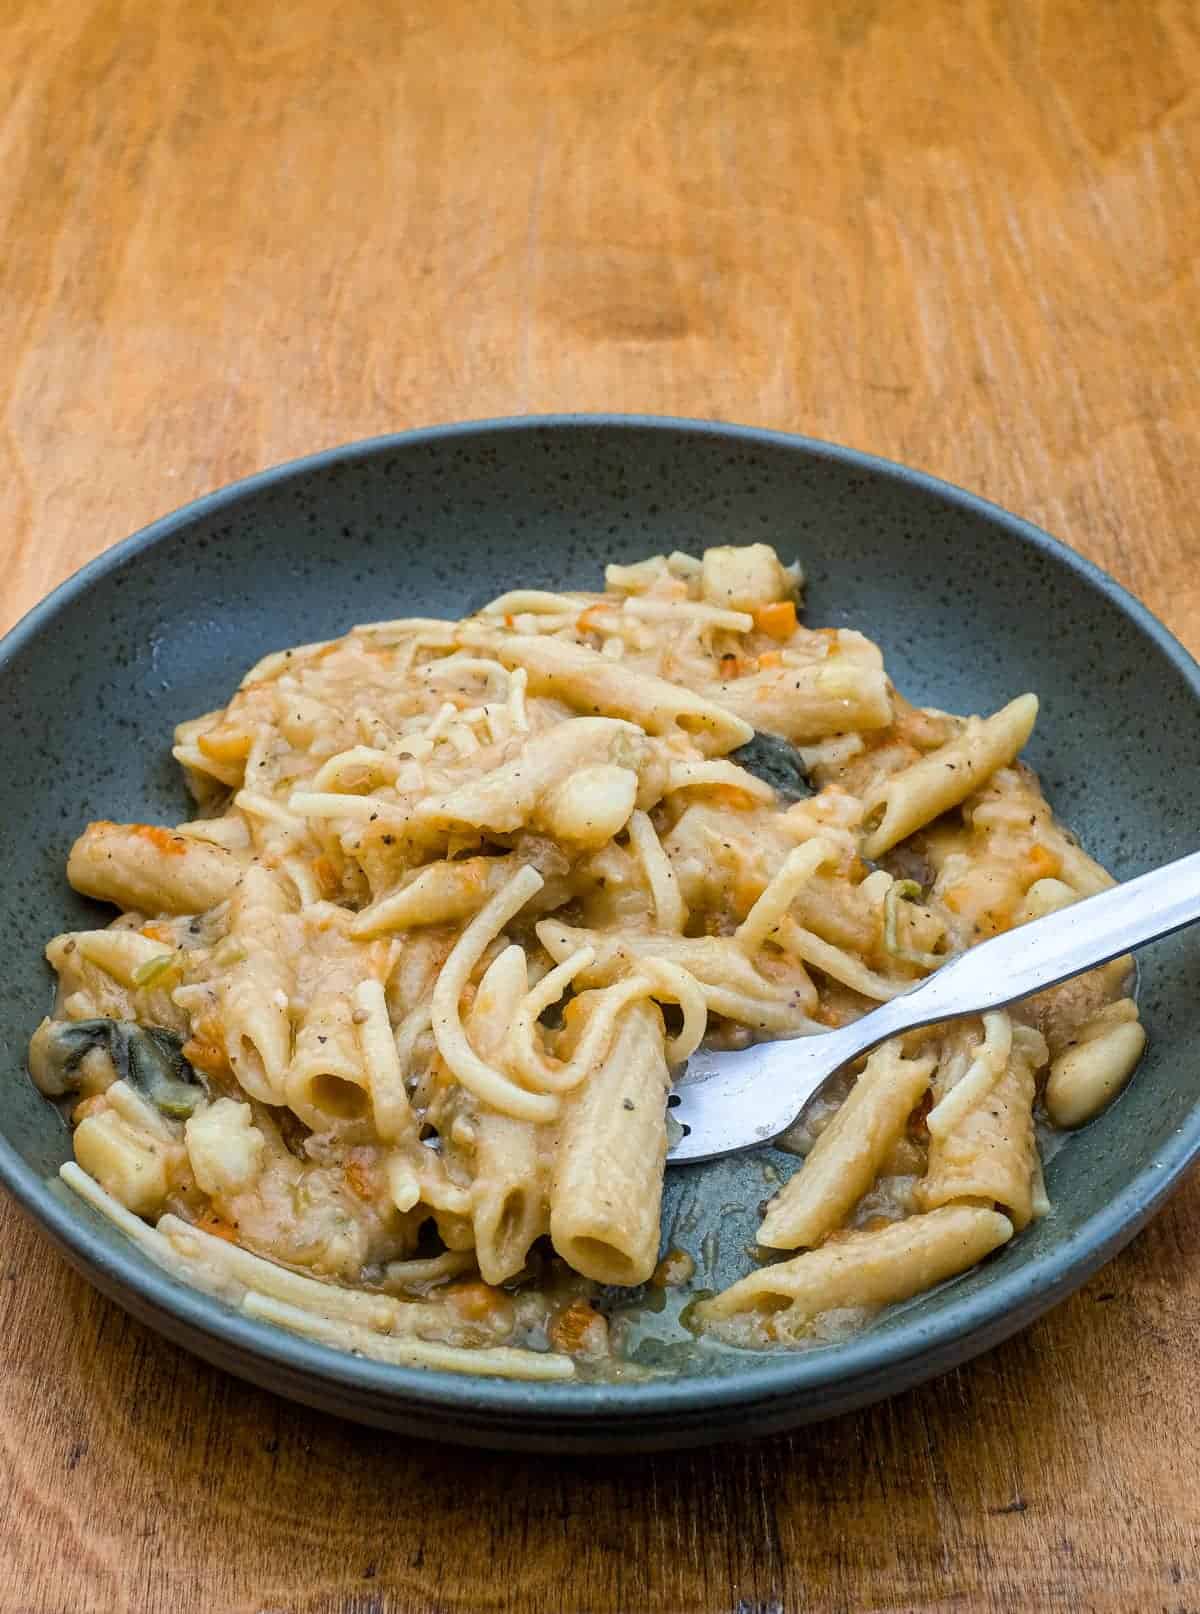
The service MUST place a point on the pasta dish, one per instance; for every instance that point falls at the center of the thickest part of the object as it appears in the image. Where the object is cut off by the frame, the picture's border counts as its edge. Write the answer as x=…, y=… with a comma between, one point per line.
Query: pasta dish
x=380, y=1044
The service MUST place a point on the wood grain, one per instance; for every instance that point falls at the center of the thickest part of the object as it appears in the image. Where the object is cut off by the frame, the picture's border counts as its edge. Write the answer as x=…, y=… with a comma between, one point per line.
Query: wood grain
x=962, y=233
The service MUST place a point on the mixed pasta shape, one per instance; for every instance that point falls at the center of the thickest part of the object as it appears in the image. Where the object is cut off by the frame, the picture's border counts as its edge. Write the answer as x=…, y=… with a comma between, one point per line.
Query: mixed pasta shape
x=379, y=1046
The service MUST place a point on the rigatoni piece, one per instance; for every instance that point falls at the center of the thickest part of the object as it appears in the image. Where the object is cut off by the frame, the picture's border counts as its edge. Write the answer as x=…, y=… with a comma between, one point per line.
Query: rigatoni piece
x=606, y=1186
x=327, y=1081
x=850, y=1152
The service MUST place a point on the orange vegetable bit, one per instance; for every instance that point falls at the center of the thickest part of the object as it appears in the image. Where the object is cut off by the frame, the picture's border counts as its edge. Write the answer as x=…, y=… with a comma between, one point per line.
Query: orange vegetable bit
x=162, y=840
x=210, y=1222
x=826, y=1014
x=225, y=743
x=206, y=1056
x=778, y=620
x=674, y=1270
x=477, y=1302
x=360, y=1173
x=732, y=797
x=326, y=876
x=579, y=1329
x=1042, y=864
x=957, y=897
x=996, y=919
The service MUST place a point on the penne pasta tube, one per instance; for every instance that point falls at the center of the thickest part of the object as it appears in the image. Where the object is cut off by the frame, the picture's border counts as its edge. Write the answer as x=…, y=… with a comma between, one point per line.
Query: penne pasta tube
x=126, y=955
x=905, y=802
x=850, y=1152
x=844, y=690
x=438, y=893
x=592, y=682
x=876, y=1268
x=150, y=869
x=731, y=984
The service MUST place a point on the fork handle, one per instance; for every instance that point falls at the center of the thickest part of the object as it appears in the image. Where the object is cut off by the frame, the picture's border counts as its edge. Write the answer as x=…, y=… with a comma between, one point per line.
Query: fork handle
x=1035, y=956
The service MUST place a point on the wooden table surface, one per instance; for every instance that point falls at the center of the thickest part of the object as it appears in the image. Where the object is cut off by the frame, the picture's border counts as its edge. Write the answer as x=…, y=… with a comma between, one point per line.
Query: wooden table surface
x=960, y=234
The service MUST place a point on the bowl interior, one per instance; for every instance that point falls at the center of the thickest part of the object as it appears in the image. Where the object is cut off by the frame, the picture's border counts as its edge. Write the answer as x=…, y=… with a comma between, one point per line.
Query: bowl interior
x=969, y=606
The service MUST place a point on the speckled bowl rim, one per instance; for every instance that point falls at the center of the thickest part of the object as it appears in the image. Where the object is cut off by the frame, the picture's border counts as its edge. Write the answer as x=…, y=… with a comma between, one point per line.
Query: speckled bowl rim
x=871, y=1364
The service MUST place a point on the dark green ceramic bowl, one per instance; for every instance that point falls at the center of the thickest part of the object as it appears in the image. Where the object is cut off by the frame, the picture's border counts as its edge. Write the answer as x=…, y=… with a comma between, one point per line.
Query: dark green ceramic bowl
x=971, y=607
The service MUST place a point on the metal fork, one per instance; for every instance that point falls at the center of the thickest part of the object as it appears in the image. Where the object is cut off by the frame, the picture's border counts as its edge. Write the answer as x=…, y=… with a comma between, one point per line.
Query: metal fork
x=730, y=1101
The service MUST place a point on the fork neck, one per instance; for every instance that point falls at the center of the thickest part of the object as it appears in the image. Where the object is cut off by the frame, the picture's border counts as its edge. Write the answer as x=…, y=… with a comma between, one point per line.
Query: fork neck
x=860, y=1036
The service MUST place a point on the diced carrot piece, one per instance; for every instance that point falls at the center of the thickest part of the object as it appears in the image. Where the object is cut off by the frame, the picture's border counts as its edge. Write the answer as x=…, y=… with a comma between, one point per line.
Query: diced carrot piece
x=578, y=1328
x=675, y=1268
x=477, y=1302
x=730, y=797
x=770, y=658
x=162, y=840
x=778, y=619
x=996, y=919
x=158, y=932
x=210, y=1222
x=1042, y=864
x=359, y=1176
x=225, y=743
x=205, y=1056
x=326, y=875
